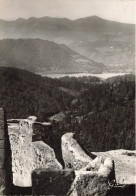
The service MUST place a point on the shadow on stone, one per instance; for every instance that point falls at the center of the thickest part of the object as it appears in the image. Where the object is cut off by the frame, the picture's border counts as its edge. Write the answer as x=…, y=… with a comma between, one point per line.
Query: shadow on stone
x=122, y=190
x=51, y=182
x=16, y=190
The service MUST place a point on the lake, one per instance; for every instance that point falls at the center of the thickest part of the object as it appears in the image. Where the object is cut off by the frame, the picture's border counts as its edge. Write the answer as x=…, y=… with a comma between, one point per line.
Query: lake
x=102, y=76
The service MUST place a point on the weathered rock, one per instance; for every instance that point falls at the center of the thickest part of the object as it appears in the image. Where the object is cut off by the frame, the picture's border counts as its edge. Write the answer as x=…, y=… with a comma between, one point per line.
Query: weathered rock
x=73, y=155
x=44, y=156
x=102, y=165
x=124, y=164
x=89, y=183
x=52, y=182
x=5, y=157
x=32, y=118
x=22, y=153
x=94, y=181
x=28, y=155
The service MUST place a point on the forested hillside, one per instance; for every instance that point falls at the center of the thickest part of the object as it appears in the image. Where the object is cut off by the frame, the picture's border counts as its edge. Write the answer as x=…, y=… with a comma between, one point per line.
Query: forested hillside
x=23, y=94
x=103, y=116
x=101, y=113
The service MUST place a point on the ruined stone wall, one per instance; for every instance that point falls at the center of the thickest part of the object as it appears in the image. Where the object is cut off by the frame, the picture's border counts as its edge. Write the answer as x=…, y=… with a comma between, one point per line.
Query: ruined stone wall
x=93, y=180
x=52, y=182
x=35, y=164
x=92, y=176
x=73, y=155
x=28, y=155
x=5, y=157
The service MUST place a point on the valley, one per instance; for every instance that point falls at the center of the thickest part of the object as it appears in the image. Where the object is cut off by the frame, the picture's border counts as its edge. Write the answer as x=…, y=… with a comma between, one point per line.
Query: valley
x=97, y=45
x=67, y=90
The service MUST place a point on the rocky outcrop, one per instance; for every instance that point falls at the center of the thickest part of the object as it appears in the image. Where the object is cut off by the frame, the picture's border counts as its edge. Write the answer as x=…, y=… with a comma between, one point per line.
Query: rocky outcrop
x=28, y=155
x=93, y=176
x=90, y=176
x=44, y=156
x=35, y=164
x=124, y=164
x=94, y=179
x=73, y=155
x=22, y=155
x=89, y=183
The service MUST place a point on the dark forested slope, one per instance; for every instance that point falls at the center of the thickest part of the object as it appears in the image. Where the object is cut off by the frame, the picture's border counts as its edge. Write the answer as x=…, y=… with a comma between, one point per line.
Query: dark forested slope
x=103, y=116
x=101, y=113
x=23, y=93
x=110, y=123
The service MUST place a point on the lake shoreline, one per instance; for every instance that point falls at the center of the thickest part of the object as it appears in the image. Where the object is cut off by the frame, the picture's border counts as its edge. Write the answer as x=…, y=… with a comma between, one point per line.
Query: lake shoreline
x=102, y=76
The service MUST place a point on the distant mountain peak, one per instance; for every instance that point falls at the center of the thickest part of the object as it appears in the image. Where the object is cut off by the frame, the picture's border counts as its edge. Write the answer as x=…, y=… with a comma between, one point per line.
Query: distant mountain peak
x=91, y=18
x=20, y=19
x=94, y=17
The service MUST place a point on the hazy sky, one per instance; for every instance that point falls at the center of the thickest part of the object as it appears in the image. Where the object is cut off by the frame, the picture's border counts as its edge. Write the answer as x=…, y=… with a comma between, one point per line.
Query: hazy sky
x=118, y=10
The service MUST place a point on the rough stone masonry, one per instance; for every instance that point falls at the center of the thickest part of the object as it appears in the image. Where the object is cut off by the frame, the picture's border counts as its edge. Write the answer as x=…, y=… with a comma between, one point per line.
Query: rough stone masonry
x=28, y=155
x=5, y=157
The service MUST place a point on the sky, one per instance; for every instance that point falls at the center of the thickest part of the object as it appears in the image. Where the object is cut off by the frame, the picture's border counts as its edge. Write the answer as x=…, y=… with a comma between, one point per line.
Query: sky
x=117, y=10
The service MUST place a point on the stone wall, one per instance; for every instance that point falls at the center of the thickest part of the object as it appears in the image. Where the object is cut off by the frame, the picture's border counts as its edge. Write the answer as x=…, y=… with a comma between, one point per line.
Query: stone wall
x=92, y=175
x=92, y=180
x=52, y=182
x=34, y=163
x=5, y=157
x=73, y=155
x=35, y=167
x=28, y=155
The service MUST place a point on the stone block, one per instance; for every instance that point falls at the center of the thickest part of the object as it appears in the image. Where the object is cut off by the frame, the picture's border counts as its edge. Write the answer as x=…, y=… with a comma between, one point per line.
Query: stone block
x=73, y=155
x=28, y=155
x=51, y=182
x=94, y=179
x=88, y=183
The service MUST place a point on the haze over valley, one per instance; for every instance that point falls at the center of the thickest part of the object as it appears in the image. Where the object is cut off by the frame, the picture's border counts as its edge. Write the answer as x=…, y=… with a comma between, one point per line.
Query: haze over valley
x=97, y=44
x=44, y=57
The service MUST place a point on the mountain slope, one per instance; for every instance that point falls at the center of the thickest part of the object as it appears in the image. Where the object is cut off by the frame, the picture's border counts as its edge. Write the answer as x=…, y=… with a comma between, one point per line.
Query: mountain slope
x=84, y=29
x=42, y=56
x=108, y=42
x=117, y=56
x=103, y=116
x=23, y=94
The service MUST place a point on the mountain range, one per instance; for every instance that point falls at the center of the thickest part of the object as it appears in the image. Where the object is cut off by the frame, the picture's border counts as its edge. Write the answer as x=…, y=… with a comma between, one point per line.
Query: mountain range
x=62, y=29
x=104, y=41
